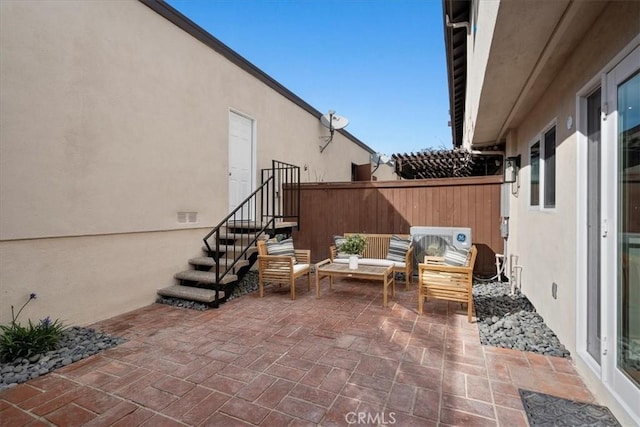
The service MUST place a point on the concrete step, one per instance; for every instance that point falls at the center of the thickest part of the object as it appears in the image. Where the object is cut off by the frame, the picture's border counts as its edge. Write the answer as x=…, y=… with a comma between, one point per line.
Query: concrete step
x=190, y=293
x=205, y=277
x=253, y=225
x=230, y=250
x=244, y=238
x=210, y=262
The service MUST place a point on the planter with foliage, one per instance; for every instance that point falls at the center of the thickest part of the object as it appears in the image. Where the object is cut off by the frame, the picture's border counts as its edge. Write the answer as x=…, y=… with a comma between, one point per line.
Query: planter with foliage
x=353, y=245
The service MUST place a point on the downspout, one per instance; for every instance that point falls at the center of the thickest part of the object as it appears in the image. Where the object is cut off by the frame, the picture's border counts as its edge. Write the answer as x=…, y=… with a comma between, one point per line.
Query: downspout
x=456, y=25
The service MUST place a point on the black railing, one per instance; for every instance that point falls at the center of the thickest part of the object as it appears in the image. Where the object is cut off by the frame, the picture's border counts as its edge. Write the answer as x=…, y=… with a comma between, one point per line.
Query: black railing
x=283, y=203
x=275, y=201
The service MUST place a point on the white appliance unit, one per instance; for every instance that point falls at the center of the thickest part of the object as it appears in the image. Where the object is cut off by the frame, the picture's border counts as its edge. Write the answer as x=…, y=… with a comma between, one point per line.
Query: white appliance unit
x=434, y=240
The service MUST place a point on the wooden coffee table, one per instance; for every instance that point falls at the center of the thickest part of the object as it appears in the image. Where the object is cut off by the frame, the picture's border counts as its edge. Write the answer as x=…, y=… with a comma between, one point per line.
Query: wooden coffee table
x=329, y=269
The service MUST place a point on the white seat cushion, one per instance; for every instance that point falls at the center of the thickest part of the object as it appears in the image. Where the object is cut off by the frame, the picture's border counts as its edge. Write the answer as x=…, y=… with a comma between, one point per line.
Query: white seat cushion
x=283, y=268
x=366, y=261
x=299, y=267
x=372, y=261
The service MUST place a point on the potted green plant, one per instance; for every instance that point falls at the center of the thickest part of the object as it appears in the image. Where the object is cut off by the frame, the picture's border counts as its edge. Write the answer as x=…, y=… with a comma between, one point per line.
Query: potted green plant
x=354, y=246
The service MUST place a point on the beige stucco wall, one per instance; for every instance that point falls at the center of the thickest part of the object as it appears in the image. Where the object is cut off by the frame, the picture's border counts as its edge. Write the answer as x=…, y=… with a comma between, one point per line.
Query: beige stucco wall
x=385, y=173
x=83, y=279
x=546, y=240
x=113, y=120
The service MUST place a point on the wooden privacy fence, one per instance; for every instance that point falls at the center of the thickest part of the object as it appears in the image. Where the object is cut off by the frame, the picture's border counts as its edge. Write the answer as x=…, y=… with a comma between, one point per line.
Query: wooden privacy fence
x=328, y=209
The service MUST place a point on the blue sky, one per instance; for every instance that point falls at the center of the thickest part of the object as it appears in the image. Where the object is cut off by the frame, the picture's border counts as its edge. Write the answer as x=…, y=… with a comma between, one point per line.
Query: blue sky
x=379, y=63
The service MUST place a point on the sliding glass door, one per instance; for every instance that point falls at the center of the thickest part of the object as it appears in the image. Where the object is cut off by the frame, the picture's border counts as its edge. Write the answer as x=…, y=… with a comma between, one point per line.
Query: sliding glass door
x=622, y=259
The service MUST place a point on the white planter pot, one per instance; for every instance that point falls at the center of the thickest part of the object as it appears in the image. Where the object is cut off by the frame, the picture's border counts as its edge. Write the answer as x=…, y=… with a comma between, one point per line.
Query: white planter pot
x=353, y=262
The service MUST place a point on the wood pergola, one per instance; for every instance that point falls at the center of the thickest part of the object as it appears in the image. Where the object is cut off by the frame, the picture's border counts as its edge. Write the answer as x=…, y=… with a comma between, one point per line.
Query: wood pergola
x=455, y=163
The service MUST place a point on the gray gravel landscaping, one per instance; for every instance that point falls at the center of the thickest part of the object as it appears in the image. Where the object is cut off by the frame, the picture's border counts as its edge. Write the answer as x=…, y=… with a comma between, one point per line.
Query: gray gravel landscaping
x=511, y=321
x=76, y=344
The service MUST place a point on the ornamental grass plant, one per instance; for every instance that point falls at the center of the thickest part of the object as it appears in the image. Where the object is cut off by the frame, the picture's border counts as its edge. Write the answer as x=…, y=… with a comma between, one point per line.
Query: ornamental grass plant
x=25, y=341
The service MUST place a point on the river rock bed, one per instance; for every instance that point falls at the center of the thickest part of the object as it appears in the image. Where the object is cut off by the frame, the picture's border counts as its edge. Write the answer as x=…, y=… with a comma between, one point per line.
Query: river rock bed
x=76, y=344
x=511, y=321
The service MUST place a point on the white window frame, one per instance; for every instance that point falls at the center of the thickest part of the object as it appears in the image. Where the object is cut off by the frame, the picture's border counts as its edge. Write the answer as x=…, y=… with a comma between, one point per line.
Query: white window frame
x=539, y=138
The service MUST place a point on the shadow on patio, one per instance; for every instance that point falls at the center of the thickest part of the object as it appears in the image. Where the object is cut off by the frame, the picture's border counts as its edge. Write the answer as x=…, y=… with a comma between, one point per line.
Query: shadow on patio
x=339, y=360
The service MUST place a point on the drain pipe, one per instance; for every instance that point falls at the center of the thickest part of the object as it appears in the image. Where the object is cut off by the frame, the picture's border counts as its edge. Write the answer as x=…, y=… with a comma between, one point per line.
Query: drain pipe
x=456, y=25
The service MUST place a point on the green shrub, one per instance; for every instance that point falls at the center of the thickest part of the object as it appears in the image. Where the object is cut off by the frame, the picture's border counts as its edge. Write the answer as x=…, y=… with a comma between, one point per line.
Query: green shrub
x=25, y=341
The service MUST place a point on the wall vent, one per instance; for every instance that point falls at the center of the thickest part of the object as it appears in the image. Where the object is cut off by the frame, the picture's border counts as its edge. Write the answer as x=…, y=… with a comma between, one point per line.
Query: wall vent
x=187, y=217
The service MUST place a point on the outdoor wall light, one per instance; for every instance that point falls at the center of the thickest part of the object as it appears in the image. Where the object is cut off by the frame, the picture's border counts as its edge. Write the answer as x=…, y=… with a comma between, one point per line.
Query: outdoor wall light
x=511, y=169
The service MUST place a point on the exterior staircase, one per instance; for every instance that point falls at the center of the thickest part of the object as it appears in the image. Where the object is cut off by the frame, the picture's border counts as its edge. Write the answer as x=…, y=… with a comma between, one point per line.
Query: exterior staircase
x=201, y=283
x=229, y=249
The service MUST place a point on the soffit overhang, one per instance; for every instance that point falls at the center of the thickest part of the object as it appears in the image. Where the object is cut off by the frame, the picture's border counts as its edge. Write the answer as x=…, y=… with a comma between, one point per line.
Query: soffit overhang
x=531, y=42
x=455, y=41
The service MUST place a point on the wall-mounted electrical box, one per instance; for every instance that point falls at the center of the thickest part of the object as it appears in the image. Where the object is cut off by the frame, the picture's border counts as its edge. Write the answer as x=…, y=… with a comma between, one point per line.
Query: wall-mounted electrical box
x=505, y=193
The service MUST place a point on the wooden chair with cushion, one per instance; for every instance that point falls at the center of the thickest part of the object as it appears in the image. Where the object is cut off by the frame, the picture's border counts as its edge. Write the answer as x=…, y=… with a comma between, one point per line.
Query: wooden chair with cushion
x=440, y=280
x=283, y=268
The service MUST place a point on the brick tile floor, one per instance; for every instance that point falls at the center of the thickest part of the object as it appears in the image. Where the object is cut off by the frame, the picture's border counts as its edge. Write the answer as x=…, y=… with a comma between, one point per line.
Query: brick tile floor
x=338, y=360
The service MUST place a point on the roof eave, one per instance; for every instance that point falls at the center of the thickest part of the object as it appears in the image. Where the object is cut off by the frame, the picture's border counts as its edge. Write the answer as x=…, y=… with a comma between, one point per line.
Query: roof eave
x=456, y=53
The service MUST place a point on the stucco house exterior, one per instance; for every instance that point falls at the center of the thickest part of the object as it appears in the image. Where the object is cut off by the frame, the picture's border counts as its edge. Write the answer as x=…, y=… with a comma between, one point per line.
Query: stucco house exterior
x=116, y=118
x=556, y=87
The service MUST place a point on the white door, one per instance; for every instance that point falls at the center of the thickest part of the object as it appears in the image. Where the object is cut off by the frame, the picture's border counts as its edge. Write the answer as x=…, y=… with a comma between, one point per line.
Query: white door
x=241, y=153
x=621, y=247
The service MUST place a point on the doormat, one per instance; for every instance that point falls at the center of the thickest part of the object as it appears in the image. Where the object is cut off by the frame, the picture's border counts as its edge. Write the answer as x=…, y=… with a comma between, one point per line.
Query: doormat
x=546, y=410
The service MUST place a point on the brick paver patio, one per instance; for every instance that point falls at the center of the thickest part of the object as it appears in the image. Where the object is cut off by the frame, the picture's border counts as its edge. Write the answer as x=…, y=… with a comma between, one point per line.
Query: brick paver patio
x=342, y=360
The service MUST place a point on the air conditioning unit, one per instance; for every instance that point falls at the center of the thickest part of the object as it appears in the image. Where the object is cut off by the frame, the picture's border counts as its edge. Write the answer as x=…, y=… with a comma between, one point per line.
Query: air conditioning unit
x=434, y=240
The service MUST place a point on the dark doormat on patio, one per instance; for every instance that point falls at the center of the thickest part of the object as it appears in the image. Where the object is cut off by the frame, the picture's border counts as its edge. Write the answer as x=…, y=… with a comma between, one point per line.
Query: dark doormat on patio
x=546, y=410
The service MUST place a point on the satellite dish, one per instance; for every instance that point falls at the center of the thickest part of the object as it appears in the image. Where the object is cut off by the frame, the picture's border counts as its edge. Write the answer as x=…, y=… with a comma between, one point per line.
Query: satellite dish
x=333, y=121
x=380, y=159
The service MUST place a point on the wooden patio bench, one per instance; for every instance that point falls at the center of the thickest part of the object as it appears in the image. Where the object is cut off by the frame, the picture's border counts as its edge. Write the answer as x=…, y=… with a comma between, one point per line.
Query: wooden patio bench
x=376, y=253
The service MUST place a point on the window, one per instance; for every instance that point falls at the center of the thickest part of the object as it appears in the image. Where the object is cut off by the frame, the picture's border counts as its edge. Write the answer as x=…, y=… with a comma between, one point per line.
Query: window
x=550, y=168
x=534, y=159
x=542, y=158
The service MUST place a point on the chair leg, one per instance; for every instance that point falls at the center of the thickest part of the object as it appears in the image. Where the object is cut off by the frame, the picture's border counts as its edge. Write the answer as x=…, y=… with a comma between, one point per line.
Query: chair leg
x=261, y=285
x=469, y=310
x=420, y=300
x=309, y=280
x=293, y=289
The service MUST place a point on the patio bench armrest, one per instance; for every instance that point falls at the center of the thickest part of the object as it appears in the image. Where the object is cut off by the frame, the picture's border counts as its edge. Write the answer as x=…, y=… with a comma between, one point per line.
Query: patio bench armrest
x=303, y=256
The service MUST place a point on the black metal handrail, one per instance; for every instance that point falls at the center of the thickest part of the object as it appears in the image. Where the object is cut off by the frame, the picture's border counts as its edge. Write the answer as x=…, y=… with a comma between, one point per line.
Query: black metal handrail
x=276, y=199
x=283, y=202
